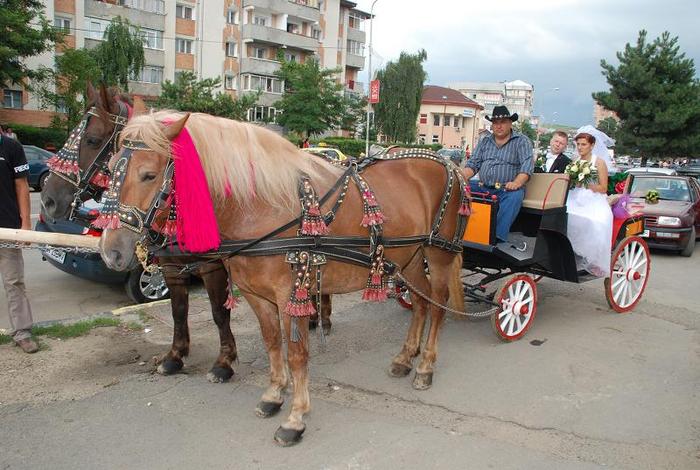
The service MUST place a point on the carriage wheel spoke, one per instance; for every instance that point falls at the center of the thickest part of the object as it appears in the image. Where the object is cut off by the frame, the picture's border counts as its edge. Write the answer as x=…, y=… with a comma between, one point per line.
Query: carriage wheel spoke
x=519, y=322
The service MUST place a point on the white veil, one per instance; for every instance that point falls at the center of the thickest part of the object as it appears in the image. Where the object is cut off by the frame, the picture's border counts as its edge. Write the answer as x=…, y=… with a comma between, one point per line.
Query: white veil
x=602, y=142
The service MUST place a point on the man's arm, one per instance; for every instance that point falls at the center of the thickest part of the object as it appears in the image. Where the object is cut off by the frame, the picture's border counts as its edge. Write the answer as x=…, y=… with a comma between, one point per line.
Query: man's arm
x=22, y=191
x=527, y=164
x=474, y=163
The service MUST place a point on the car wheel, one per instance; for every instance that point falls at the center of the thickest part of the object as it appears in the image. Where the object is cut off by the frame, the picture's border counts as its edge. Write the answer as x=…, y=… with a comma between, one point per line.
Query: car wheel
x=142, y=286
x=42, y=181
x=690, y=247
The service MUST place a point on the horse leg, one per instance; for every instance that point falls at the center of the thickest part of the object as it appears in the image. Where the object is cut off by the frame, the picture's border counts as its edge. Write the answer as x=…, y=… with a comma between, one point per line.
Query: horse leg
x=290, y=432
x=272, y=399
x=444, y=271
x=216, y=283
x=313, y=319
x=402, y=363
x=178, y=284
x=326, y=308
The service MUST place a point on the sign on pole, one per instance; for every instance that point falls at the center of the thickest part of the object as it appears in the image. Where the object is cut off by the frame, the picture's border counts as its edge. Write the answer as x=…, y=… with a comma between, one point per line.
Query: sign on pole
x=374, y=91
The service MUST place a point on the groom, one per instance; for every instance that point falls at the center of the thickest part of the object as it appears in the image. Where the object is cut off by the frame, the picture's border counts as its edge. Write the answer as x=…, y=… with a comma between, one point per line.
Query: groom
x=556, y=159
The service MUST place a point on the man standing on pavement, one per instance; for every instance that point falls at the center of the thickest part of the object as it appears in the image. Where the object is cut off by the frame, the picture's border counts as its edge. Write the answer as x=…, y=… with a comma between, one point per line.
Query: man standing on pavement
x=556, y=160
x=15, y=213
x=504, y=163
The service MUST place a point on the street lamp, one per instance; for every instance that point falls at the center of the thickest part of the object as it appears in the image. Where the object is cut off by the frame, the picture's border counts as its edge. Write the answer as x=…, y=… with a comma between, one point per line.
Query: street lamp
x=369, y=76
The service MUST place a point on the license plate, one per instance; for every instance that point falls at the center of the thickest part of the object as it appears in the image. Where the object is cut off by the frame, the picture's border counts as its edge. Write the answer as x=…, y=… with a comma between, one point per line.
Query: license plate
x=668, y=235
x=644, y=233
x=57, y=255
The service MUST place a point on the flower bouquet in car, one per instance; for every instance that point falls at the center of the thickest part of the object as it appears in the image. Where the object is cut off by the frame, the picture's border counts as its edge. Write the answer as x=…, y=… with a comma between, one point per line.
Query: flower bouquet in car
x=580, y=173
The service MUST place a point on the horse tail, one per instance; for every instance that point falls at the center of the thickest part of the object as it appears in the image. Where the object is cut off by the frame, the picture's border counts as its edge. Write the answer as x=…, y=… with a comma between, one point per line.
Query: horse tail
x=454, y=287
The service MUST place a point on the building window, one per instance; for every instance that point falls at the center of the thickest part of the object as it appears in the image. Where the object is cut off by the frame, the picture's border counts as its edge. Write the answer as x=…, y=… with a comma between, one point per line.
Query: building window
x=259, y=82
x=291, y=57
x=184, y=12
x=232, y=17
x=152, y=38
x=178, y=74
x=61, y=106
x=12, y=99
x=355, y=21
x=436, y=139
x=262, y=114
x=293, y=28
x=229, y=82
x=436, y=119
x=260, y=52
x=96, y=28
x=356, y=47
x=62, y=24
x=183, y=46
x=447, y=120
x=316, y=33
x=154, y=6
x=457, y=121
x=260, y=20
x=150, y=74
x=231, y=49
x=424, y=119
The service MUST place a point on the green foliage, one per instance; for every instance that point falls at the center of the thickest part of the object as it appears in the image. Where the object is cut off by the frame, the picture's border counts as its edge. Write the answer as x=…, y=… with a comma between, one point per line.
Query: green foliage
x=66, y=84
x=526, y=129
x=348, y=146
x=401, y=90
x=26, y=32
x=609, y=126
x=120, y=56
x=312, y=102
x=355, y=115
x=656, y=95
x=200, y=96
x=74, y=329
x=39, y=136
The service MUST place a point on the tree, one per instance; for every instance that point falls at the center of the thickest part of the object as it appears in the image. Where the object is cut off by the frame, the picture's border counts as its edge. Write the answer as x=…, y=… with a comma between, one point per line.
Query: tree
x=200, y=96
x=120, y=56
x=656, y=95
x=610, y=126
x=312, y=101
x=526, y=129
x=26, y=32
x=354, y=116
x=401, y=92
x=64, y=86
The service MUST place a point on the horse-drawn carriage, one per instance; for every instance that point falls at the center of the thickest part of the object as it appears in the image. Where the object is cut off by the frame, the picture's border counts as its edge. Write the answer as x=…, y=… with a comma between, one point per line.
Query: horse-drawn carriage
x=542, y=226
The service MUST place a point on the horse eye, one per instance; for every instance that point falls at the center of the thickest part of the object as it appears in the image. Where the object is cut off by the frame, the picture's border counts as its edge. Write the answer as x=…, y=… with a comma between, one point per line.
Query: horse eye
x=150, y=176
x=93, y=141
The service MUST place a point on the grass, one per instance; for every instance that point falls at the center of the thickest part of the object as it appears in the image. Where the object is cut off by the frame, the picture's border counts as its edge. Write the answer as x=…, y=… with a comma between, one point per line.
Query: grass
x=5, y=339
x=73, y=330
x=134, y=326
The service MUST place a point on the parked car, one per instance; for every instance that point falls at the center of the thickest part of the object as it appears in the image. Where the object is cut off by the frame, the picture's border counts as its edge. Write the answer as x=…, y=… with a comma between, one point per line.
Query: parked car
x=693, y=171
x=456, y=155
x=332, y=153
x=38, y=169
x=140, y=286
x=673, y=222
x=652, y=170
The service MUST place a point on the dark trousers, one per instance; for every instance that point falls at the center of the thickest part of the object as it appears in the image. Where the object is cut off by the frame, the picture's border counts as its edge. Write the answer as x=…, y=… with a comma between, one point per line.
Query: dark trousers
x=509, y=203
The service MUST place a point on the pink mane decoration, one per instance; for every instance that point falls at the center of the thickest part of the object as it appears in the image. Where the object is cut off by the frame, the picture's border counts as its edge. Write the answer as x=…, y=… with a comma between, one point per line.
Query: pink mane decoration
x=197, y=229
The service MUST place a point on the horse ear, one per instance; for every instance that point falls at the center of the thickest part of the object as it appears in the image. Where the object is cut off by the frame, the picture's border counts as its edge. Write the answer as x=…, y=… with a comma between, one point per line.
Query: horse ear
x=176, y=127
x=91, y=94
x=108, y=104
x=139, y=106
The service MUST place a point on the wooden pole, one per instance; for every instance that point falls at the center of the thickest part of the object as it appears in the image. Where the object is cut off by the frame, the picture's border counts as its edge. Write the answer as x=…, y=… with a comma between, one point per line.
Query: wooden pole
x=46, y=238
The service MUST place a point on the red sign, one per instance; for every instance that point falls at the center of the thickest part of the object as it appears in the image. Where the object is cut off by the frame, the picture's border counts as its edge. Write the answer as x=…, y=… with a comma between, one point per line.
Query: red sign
x=374, y=91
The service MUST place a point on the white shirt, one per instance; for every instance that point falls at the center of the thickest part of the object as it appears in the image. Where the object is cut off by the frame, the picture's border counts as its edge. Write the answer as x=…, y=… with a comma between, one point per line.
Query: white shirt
x=550, y=161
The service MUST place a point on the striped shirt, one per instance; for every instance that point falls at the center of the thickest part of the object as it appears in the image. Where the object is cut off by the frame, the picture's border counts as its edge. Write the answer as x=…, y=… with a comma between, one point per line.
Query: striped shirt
x=502, y=164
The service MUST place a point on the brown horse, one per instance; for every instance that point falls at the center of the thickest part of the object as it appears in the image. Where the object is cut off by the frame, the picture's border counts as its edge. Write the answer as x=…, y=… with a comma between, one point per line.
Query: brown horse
x=60, y=192
x=253, y=176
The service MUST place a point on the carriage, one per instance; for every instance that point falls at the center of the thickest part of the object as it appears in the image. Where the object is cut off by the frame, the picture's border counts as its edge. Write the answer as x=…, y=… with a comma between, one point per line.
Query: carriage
x=542, y=225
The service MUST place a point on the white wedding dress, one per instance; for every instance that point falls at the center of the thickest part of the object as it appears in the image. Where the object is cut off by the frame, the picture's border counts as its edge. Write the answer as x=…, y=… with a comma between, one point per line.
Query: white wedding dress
x=590, y=229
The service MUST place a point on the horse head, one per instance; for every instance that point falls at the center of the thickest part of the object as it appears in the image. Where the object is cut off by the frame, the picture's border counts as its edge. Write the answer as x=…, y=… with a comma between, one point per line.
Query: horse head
x=93, y=139
x=138, y=183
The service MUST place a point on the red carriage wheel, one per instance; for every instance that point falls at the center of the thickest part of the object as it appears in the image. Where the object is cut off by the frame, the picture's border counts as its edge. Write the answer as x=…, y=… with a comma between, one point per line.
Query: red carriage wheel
x=403, y=297
x=629, y=274
x=517, y=299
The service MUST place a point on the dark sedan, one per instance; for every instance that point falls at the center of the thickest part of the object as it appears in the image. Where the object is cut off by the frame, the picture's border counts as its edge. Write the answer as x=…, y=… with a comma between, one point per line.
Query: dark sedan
x=38, y=170
x=141, y=286
x=673, y=222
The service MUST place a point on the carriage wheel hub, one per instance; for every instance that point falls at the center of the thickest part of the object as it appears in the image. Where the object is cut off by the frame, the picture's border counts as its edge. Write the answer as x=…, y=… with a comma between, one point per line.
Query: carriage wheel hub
x=633, y=275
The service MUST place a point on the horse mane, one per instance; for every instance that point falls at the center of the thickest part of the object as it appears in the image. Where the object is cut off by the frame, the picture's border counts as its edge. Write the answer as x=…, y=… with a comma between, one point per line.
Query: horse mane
x=242, y=160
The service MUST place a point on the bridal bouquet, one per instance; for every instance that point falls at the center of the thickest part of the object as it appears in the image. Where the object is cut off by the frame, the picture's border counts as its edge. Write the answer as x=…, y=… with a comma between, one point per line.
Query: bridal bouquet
x=580, y=173
x=541, y=161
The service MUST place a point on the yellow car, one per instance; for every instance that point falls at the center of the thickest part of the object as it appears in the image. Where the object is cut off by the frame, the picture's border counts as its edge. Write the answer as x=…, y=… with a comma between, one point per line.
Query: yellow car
x=327, y=152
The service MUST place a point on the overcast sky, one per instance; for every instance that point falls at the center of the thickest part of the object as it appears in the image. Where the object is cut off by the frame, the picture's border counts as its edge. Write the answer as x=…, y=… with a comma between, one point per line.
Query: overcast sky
x=548, y=43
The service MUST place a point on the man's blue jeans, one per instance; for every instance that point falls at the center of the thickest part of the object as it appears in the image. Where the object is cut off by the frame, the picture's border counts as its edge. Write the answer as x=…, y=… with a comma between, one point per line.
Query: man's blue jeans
x=509, y=203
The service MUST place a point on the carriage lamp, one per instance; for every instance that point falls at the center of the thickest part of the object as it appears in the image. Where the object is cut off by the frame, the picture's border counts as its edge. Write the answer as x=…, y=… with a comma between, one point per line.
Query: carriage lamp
x=670, y=221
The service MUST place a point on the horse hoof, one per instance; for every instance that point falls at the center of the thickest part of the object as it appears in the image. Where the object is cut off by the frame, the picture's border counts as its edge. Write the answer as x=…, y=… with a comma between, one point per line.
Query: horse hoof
x=288, y=437
x=399, y=370
x=265, y=409
x=423, y=381
x=219, y=374
x=170, y=366
x=313, y=324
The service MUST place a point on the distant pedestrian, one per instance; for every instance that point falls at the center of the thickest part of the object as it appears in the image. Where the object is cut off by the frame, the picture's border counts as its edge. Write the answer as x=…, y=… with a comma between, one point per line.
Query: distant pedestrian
x=11, y=134
x=14, y=213
x=305, y=143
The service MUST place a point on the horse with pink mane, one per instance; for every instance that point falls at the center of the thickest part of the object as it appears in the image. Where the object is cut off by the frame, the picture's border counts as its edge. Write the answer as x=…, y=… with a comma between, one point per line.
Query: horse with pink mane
x=355, y=229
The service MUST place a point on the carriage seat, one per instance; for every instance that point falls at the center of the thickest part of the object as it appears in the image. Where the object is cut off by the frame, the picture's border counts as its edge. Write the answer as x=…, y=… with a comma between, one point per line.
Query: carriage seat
x=546, y=191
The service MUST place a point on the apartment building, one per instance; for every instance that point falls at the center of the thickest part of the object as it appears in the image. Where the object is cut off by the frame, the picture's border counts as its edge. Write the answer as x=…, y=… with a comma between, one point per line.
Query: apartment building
x=235, y=40
x=517, y=95
x=449, y=118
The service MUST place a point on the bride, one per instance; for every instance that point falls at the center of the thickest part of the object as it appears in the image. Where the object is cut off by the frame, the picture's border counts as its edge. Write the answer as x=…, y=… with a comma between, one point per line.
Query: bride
x=590, y=218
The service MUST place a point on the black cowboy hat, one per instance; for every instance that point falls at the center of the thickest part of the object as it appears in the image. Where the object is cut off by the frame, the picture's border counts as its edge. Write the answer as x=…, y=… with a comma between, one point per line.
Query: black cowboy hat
x=501, y=112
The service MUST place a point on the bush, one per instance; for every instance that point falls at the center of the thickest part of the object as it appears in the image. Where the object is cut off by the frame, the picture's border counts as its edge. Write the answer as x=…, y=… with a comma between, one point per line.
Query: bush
x=39, y=136
x=355, y=147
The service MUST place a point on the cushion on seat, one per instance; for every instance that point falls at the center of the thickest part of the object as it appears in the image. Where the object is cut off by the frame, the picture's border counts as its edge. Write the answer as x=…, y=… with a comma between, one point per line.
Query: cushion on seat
x=546, y=191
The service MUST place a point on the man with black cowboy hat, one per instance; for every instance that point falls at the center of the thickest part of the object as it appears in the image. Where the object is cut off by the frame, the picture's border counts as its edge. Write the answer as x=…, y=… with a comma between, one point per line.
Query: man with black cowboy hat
x=504, y=163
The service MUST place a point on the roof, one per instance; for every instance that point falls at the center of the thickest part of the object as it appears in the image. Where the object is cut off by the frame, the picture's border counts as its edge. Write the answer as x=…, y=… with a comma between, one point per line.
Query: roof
x=433, y=94
x=519, y=84
x=478, y=86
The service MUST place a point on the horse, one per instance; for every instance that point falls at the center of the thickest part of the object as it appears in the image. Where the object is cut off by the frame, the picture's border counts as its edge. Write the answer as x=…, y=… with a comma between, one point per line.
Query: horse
x=238, y=181
x=80, y=173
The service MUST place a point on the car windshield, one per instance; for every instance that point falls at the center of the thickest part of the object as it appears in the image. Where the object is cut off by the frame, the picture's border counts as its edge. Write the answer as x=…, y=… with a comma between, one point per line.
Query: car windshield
x=672, y=189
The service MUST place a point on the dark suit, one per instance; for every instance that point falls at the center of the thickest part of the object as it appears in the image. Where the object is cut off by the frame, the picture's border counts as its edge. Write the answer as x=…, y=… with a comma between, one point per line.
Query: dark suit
x=559, y=164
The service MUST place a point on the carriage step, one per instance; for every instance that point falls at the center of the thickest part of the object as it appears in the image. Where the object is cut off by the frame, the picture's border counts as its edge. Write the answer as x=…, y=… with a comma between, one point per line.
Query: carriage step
x=518, y=246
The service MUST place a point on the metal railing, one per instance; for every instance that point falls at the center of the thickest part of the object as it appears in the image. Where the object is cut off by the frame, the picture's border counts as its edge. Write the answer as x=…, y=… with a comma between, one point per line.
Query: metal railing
x=153, y=6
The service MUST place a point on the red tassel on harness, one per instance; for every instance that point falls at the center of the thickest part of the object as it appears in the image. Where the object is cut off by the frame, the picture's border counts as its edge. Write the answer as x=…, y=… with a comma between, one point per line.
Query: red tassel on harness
x=300, y=304
x=312, y=222
x=100, y=180
x=376, y=289
x=464, y=209
x=107, y=221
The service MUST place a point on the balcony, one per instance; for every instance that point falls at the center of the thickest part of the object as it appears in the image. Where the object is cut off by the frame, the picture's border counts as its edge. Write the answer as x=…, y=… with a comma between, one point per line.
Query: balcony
x=357, y=88
x=144, y=18
x=302, y=9
x=356, y=35
x=259, y=66
x=278, y=36
x=355, y=61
